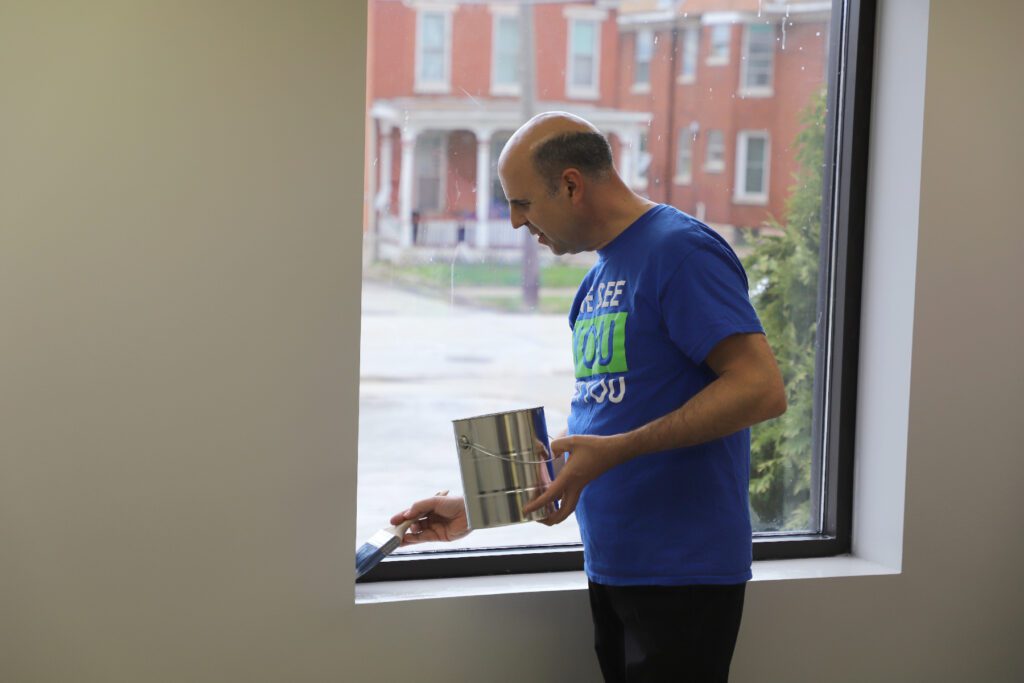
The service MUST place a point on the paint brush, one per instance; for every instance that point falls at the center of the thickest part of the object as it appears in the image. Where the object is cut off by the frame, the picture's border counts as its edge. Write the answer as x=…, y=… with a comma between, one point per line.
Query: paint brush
x=382, y=544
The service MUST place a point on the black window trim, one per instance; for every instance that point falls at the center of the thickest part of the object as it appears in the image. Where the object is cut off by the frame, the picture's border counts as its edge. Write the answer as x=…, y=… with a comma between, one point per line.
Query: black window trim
x=843, y=209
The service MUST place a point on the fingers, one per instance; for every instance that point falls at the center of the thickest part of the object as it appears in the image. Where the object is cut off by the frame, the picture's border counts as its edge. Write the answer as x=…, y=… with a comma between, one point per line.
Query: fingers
x=552, y=494
x=424, y=536
x=420, y=508
x=567, y=507
x=561, y=445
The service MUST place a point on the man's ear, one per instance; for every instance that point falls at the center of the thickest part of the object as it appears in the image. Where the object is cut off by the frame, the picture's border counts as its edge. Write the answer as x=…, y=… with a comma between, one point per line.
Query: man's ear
x=573, y=180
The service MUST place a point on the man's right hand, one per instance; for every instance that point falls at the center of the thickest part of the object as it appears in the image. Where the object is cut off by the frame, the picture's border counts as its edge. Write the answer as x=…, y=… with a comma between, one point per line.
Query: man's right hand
x=440, y=518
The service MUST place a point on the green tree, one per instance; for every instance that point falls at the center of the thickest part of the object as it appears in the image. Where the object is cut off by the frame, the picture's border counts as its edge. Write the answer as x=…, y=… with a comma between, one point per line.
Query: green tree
x=783, y=271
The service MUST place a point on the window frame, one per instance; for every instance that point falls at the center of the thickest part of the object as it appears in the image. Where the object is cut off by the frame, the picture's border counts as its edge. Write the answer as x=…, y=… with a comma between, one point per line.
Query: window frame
x=499, y=14
x=741, y=195
x=686, y=134
x=689, y=55
x=850, y=65
x=421, y=85
x=648, y=41
x=746, y=89
x=716, y=58
x=580, y=92
x=716, y=165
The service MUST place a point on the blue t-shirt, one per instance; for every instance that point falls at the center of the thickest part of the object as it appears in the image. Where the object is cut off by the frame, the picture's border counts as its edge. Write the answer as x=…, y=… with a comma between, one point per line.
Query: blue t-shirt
x=661, y=295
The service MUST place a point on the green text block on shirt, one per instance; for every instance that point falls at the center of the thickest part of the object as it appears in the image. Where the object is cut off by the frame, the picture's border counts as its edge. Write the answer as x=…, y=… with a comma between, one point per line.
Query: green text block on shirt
x=599, y=344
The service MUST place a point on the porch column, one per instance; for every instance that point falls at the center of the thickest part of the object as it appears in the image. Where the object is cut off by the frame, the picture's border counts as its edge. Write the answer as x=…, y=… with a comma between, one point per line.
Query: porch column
x=483, y=186
x=405, y=185
x=383, y=199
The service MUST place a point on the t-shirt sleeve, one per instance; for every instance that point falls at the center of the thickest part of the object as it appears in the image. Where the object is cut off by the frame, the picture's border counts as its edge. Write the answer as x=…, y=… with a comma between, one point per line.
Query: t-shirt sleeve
x=705, y=300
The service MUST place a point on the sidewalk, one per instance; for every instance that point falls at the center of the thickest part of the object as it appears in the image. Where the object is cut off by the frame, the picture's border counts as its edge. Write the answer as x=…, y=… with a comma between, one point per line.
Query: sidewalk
x=425, y=362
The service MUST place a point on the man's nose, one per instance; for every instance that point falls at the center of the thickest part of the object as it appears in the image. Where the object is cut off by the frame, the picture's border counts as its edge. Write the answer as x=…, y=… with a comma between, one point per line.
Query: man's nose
x=515, y=216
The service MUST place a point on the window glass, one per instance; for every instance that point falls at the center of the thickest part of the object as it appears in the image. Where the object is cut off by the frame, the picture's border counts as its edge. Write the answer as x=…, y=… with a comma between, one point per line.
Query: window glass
x=644, y=51
x=432, y=47
x=449, y=327
x=759, y=56
x=714, y=159
x=506, y=51
x=719, y=50
x=691, y=44
x=584, y=37
x=684, y=156
x=754, y=165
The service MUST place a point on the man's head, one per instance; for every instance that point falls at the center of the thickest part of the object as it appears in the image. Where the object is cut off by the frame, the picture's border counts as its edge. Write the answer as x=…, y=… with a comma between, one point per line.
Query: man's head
x=549, y=169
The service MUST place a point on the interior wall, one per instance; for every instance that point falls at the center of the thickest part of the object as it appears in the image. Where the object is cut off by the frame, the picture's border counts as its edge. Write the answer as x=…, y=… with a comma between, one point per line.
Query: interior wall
x=180, y=202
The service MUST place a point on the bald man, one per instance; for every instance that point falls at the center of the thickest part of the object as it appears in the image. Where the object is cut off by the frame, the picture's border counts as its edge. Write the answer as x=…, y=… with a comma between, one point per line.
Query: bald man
x=672, y=368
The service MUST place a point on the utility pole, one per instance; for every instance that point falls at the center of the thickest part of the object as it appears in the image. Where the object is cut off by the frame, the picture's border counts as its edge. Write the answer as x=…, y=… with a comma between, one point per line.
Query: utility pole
x=527, y=76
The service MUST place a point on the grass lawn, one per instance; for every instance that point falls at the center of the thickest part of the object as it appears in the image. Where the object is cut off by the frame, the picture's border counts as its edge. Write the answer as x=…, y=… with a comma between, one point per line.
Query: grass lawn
x=482, y=275
x=502, y=282
x=514, y=303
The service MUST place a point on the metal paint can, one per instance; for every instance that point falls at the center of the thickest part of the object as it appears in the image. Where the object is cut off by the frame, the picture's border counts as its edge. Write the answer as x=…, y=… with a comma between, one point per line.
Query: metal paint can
x=506, y=462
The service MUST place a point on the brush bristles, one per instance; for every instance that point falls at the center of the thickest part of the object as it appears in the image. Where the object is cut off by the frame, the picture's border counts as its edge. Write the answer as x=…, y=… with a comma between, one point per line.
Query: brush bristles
x=373, y=551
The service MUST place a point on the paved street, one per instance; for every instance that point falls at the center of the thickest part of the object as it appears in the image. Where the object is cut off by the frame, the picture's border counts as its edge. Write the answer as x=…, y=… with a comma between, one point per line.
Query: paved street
x=425, y=362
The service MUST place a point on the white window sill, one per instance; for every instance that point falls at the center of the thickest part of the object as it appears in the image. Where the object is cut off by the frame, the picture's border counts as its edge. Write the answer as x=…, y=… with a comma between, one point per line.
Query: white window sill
x=682, y=180
x=432, y=88
x=716, y=61
x=640, y=89
x=505, y=90
x=429, y=589
x=751, y=200
x=754, y=93
x=582, y=94
x=686, y=80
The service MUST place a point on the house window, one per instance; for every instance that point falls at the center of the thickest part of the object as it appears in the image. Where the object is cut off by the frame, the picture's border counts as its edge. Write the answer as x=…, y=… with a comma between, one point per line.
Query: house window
x=505, y=58
x=642, y=53
x=643, y=161
x=718, y=50
x=751, y=167
x=433, y=51
x=714, y=154
x=584, y=43
x=431, y=165
x=688, y=62
x=684, y=157
x=758, y=63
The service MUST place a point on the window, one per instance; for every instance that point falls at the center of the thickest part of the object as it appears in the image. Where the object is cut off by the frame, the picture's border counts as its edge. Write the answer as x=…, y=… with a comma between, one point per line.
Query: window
x=756, y=70
x=752, y=167
x=688, y=61
x=643, y=51
x=643, y=164
x=446, y=332
x=714, y=154
x=584, y=40
x=505, y=61
x=684, y=156
x=718, y=51
x=433, y=41
x=430, y=165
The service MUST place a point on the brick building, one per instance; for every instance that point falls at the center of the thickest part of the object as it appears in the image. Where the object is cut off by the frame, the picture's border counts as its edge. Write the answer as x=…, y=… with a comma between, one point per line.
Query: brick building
x=700, y=99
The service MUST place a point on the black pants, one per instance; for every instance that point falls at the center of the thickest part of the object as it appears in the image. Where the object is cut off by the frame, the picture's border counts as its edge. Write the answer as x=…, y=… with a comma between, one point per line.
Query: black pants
x=665, y=633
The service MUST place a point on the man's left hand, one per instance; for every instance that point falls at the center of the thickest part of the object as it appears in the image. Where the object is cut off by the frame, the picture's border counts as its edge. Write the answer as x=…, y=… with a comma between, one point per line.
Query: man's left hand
x=589, y=458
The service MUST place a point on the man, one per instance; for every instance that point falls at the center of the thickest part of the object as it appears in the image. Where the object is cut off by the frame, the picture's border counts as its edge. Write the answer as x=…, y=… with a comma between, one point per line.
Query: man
x=672, y=368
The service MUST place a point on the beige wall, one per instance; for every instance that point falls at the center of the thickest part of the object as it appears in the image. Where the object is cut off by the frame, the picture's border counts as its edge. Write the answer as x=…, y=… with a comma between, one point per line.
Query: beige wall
x=180, y=200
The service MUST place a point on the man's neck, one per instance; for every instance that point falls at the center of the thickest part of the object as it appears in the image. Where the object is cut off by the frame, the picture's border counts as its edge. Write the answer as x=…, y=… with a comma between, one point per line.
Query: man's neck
x=618, y=216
